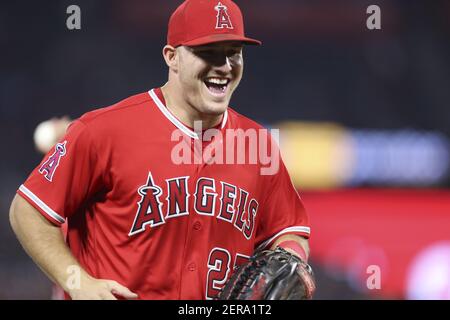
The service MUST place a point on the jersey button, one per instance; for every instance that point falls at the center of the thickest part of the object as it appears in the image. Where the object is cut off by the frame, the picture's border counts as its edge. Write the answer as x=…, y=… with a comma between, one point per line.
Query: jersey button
x=197, y=225
x=192, y=266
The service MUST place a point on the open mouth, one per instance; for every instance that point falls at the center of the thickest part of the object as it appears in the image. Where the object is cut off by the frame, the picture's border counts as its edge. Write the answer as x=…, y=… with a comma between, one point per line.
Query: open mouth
x=217, y=86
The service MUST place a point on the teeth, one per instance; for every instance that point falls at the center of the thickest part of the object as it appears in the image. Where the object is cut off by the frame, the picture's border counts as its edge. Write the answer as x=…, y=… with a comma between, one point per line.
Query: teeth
x=218, y=81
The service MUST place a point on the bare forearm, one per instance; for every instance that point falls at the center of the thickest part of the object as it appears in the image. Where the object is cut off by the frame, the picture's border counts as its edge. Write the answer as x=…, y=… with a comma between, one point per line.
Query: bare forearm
x=303, y=242
x=43, y=242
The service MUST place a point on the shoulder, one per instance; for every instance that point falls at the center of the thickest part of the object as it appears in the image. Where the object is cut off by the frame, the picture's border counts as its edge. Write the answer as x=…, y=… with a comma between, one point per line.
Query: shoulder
x=119, y=111
x=126, y=117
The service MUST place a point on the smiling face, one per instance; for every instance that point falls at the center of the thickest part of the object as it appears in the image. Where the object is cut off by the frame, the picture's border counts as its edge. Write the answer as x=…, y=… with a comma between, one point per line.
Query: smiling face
x=207, y=75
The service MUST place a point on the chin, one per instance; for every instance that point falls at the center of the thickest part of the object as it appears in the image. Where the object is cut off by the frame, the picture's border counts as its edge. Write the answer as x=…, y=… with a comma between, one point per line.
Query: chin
x=214, y=105
x=215, y=108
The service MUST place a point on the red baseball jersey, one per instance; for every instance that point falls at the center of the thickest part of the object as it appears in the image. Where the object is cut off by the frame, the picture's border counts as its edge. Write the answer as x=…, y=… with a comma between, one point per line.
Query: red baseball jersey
x=164, y=229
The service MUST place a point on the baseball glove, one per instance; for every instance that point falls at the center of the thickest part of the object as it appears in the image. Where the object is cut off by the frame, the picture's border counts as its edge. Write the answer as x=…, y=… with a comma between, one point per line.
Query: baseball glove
x=270, y=275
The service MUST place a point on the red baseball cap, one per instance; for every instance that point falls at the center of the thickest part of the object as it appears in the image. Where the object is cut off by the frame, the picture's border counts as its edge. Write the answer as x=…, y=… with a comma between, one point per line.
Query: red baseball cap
x=198, y=22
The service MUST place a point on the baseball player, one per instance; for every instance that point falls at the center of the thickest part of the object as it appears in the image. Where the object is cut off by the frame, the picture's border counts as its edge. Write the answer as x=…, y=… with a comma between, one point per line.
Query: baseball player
x=141, y=225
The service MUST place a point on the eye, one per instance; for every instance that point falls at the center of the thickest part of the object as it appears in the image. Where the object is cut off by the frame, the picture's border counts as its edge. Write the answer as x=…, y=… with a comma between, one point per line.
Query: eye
x=205, y=53
x=217, y=54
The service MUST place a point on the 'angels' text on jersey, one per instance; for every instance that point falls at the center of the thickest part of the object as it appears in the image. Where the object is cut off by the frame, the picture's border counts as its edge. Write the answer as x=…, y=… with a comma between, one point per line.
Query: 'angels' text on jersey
x=241, y=211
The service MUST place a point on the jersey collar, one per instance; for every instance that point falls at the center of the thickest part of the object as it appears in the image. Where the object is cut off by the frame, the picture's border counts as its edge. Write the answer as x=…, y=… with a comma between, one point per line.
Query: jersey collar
x=177, y=122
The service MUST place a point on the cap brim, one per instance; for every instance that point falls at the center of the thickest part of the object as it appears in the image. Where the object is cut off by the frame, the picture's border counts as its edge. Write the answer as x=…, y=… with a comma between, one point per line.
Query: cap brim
x=220, y=38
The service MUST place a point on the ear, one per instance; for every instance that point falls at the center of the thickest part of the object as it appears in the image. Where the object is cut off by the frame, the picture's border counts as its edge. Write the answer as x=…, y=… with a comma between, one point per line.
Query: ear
x=170, y=56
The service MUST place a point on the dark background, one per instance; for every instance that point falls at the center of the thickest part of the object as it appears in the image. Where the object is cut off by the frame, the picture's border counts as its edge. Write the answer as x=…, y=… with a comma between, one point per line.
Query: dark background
x=318, y=62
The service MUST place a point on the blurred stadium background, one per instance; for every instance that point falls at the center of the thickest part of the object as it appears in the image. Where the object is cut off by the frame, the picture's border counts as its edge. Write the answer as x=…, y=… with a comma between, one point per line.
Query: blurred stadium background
x=364, y=118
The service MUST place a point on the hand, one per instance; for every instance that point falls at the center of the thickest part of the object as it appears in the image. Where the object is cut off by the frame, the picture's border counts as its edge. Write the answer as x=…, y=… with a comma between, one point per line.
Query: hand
x=101, y=289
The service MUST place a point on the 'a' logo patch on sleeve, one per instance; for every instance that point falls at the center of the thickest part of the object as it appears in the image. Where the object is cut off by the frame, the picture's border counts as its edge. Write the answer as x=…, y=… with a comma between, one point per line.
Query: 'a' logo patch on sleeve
x=48, y=168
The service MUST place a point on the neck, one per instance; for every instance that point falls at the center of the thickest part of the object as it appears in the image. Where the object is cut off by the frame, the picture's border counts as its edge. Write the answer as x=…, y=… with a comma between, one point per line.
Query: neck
x=185, y=112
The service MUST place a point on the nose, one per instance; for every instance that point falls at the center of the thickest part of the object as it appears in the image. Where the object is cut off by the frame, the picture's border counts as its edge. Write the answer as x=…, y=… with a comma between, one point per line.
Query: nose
x=224, y=65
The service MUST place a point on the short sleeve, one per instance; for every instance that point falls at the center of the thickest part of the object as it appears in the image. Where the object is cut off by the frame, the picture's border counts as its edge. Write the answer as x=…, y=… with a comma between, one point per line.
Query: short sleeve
x=282, y=211
x=68, y=175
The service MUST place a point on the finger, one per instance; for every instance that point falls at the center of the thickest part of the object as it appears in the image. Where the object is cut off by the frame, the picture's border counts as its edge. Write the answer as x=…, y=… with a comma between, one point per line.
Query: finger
x=122, y=291
x=108, y=296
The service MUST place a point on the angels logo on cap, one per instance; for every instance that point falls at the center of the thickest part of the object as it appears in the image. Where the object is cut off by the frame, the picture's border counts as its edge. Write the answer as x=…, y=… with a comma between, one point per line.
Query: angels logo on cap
x=223, y=19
